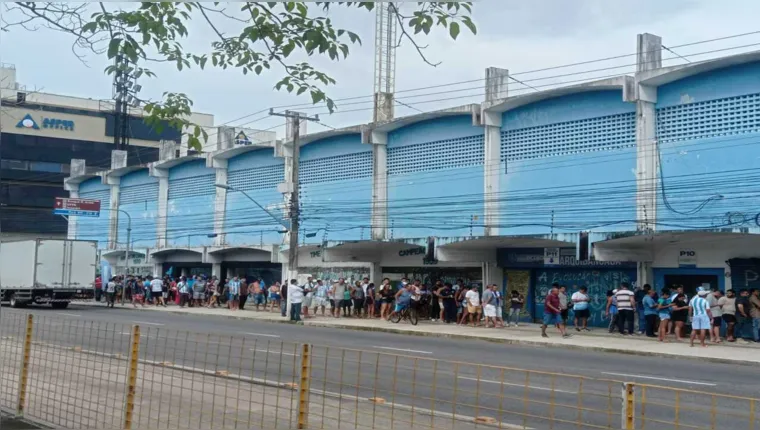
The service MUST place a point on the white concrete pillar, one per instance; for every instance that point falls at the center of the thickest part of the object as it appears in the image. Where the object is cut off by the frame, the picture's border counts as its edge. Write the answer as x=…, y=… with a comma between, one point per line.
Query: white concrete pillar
x=216, y=270
x=220, y=198
x=158, y=270
x=649, y=57
x=113, y=211
x=163, y=204
x=644, y=273
x=379, y=217
x=496, y=89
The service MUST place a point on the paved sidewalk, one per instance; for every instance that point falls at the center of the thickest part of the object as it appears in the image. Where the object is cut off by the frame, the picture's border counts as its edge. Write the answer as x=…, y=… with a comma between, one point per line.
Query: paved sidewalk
x=528, y=334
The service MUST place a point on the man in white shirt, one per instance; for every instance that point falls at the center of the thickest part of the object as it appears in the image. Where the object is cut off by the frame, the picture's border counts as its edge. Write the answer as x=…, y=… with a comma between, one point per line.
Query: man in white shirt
x=295, y=299
x=580, y=301
x=625, y=305
x=156, y=291
x=473, y=305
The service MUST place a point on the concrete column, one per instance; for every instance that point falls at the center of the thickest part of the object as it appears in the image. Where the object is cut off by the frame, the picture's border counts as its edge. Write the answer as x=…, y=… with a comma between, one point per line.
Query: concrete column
x=216, y=270
x=649, y=57
x=379, y=217
x=73, y=228
x=496, y=89
x=220, y=198
x=163, y=204
x=118, y=161
x=644, y=273
x=158, y=270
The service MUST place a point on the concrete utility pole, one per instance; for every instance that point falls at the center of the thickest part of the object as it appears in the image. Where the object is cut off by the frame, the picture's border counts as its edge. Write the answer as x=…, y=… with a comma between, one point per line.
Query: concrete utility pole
x=294, y=134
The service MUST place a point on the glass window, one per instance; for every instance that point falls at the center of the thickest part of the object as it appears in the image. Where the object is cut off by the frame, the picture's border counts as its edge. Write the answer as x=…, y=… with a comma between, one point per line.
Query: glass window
x=44, y=166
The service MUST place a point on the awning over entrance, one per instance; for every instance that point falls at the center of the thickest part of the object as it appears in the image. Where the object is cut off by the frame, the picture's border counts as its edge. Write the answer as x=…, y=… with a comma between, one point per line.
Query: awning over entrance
x=644, y=247
x=243, y=253
x=484, y=249
x=368, y=250
x=178, y=255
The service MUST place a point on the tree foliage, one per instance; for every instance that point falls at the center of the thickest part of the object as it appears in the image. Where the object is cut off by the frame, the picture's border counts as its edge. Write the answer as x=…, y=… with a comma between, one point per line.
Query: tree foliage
x=253, y=37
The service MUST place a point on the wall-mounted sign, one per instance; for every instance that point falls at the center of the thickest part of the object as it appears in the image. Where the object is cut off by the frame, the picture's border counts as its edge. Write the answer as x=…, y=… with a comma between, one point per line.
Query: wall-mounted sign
x=76, y=207
x=551, y=256
x=412, y=251
x=242, y=139
x=536, y=257
x=687, y=258
x=49, y=123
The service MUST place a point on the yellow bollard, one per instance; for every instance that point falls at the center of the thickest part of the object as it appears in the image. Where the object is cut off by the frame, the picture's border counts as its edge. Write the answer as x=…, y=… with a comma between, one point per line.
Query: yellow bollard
x=132, y=377
x=303, y=387
x=24, y=377
x=628, y=407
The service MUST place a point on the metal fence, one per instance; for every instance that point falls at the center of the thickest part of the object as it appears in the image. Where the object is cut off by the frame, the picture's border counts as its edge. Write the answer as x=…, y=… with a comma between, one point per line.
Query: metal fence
x=71, y=373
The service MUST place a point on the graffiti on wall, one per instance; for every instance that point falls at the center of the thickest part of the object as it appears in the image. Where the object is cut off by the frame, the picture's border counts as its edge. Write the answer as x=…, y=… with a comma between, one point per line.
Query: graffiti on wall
x=350, y=274
x=598, y=283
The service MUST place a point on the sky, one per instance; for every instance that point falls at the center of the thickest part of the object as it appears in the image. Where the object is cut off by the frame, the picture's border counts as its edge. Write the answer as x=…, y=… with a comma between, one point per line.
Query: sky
x=520, y=36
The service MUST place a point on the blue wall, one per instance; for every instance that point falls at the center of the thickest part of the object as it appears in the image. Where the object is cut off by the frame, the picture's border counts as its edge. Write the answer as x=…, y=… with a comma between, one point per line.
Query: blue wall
x=257, y=173
x=336, y=189
x=95, y=228
x=568, y=164
x=435, y=178
x=190, y=212
x=708, y=131
x=139, y=198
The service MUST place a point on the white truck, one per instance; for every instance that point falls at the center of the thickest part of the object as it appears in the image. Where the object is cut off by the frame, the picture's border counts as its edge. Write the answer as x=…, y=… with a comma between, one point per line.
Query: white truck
x=47, y=271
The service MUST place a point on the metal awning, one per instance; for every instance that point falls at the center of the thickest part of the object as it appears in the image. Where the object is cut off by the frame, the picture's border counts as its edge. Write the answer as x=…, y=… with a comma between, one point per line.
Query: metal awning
x=644, y=246
x=479, y=249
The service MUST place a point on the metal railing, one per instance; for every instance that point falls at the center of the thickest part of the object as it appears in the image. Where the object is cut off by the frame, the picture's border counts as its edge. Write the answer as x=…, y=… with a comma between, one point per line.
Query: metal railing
x=67, y=372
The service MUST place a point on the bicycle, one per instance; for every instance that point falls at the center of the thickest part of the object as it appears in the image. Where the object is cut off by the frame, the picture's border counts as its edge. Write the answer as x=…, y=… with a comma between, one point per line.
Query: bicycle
x=408, y=314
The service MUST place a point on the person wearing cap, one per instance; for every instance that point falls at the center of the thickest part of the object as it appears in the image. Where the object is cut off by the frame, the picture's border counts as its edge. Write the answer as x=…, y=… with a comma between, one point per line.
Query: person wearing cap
x=699, y=310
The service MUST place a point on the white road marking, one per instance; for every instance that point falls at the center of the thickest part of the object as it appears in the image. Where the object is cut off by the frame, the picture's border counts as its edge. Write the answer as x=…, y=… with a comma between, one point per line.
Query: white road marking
x=519, y=385
x=147, y=323
x=681, y=381
x=404, y=350
x=68, y=314
x=261, y=334
x=273, y=352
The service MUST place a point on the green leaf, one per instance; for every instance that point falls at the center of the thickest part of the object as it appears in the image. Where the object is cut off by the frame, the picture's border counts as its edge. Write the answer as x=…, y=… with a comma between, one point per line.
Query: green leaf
x=113, y=47
x=454, y=30
x=471, y=25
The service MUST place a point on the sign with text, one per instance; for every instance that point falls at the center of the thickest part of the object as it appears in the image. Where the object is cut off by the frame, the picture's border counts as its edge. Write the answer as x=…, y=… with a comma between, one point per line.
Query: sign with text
x=551, y=256
x=687, y=258
x=76, y=207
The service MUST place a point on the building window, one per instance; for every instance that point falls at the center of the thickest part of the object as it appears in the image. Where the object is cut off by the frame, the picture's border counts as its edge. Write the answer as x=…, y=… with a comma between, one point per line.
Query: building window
x=44, y=166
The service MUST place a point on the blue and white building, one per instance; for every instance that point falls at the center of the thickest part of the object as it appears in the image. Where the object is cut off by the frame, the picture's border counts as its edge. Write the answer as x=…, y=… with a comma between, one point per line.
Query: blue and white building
x=642, y=178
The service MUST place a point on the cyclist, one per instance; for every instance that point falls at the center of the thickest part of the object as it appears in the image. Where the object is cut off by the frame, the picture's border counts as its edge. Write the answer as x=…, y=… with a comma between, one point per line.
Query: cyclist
x=403, y=299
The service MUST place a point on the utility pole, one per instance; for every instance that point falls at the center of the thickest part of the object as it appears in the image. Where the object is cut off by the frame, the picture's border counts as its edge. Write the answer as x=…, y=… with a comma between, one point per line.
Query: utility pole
x=294, y=120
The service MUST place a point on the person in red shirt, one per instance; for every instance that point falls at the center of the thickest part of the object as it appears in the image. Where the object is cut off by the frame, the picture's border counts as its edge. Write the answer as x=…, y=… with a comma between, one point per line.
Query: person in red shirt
x=552, y=313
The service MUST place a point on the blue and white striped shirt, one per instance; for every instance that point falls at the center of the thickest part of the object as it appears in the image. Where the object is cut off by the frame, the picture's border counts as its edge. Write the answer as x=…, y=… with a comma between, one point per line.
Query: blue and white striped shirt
x=699, y=305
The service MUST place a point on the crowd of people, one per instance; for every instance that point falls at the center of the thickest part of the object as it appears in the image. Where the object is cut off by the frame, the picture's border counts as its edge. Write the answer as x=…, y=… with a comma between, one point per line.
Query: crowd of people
x=709, y=314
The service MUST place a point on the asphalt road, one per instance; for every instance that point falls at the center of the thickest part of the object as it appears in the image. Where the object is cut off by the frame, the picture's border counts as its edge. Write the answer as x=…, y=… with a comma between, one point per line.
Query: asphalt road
x=474, y=378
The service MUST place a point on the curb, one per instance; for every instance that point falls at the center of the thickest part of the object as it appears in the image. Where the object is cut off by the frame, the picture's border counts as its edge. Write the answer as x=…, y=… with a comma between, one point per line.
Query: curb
x=522, y=342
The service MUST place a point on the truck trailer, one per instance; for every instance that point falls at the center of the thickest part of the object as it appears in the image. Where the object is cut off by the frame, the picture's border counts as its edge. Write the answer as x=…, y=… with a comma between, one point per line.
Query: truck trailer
x=47, y=271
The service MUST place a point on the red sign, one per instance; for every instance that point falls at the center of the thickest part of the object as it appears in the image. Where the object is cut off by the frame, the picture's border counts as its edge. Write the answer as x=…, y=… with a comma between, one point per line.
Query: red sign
x=62, y=203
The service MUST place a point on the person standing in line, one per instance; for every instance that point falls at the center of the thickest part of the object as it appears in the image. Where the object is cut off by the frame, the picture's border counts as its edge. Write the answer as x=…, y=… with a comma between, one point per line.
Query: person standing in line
x=679, y=314
x=295, y=296
x=611, y=310
x=369, y=301
x=449, y=304
x=462, y=298
x=274, y=296
x=473, y=305
x=308, y=299
x=199, y=288
x=320, y=297
x=639, y=295
x=650, y=309
x=284, y=298
x=233, y=295
x=184, y=292
x=256, y=291
x=365, y=285
x=728, y=306
x=716, y=310
x=213, y=295
x=516, y=302
x=664, y=307
x=357, y=295
x=754, y=312
x=386, y=297
x=157, y=290
x=580, y=301
x=243, y=292
x=625, y=305
x=499, y=305
x=437, y=311
x=111, y=292
x=743, y=319
x=563, y=302
x=489, y=306
x=338, y=291
x=552, y=313
x=701, y=321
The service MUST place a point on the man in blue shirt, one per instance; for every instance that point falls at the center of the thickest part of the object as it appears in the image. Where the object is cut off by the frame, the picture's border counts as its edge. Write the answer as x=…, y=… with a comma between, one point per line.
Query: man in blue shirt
x=650, y=312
